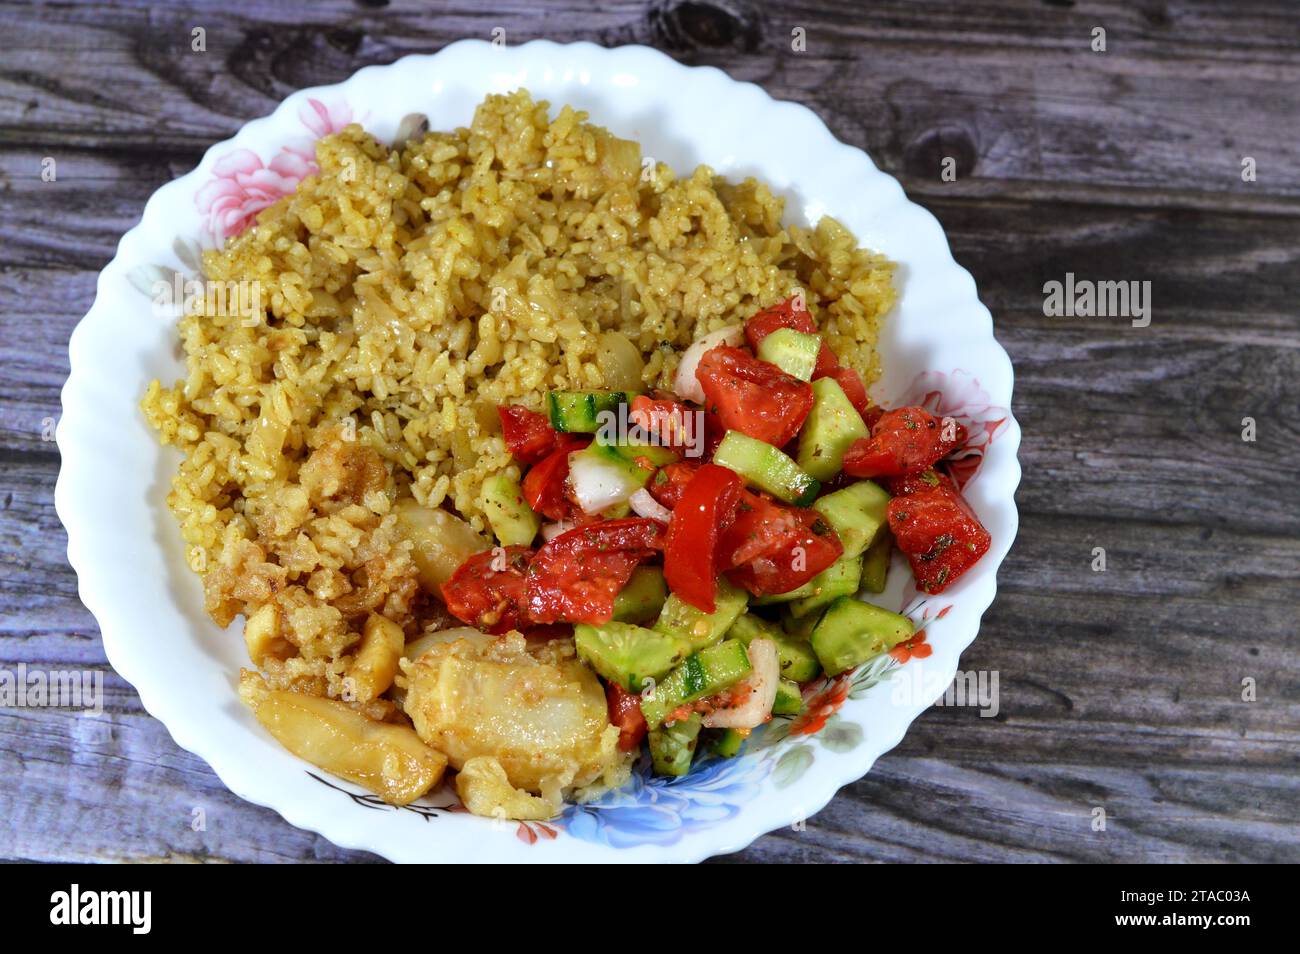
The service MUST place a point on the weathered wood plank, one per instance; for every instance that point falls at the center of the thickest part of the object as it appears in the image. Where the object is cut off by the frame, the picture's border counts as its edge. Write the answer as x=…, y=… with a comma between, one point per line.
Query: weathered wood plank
x=1166, y=106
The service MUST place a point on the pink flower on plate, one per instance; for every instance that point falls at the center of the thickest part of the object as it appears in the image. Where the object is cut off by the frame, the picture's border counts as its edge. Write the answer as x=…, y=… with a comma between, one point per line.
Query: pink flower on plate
x=242, y=185
x=958, y=394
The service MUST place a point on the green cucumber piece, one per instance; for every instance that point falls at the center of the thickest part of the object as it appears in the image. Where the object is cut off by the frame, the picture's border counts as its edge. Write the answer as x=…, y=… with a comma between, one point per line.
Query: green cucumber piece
x=727, y=745
x=766, y=467
x=697, y=628
x=857, y=513
x=673, y=746
x=789, y=700
x=643, y=597
x=798, y=661
x=656, y=454
x=799, y=628
x=875, y=563
x=794, y=352
x=701, y=674
x=832, y=425
x=841, y=578
x=628, y=654
x=513, y=522
x=579, y=411
x=850, y=632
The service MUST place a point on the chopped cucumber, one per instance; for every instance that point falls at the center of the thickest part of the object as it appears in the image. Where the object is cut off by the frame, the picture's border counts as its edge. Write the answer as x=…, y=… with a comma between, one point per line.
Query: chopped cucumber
x=697, y=628
x=832, y=575
x=579, y=411
x=701, y=674
x=798, y=661
x=794, y=352
x=850, y=632
x=832, y=425
x=643, y=597
x=513, y=522
x=602, y=478
x=628, y=654
x=799, y=628
x=789, y=700
x=857, y=513
x=765, y=466
x=841, y=578
x=673, y=746
x=875, y=563
x=727, y=745
x=656, y=454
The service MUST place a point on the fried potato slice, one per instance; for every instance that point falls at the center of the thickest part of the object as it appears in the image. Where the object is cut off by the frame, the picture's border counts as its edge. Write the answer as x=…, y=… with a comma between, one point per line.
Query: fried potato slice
x=389, y=760
x=541, y=715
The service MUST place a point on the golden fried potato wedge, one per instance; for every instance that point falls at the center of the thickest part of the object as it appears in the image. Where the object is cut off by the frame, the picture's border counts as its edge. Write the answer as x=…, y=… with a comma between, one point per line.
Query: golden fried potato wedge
x=389, y=760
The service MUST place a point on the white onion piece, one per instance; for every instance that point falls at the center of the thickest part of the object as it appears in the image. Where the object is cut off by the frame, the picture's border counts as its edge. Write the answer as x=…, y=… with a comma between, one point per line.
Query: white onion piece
x=598, y=484
x=757, y=709
x=685, y=384
x=552, y=530
x=644, y=505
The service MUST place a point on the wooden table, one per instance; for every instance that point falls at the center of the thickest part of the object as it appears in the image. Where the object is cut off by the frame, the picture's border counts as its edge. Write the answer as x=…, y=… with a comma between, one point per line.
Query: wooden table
x=1120, y=690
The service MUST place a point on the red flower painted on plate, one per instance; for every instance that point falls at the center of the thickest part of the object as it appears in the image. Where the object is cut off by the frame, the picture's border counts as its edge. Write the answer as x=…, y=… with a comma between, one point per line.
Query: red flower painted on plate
x=914, y=648
x=822, y=705
x=959, y=394
x=529, y=832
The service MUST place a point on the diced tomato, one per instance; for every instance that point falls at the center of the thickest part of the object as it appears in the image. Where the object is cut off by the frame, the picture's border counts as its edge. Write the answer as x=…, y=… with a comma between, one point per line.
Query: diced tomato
x=625, y=712
x=801, y=554
x=928, y=479
x=487, y=590
x=904, y=441
x=785, y=315
x=528, y=435
x=575, y=577
x=760, y=526
x=667, y=484
x=752, y=396
x=691, y=552
x=939, y=533
x=543, y=485
x=850, y=383
x=665, y=419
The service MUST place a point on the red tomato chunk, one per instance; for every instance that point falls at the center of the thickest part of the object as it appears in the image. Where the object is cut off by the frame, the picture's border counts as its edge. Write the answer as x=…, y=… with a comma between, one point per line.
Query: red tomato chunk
x=487, y=590
x=625, y=712
x=904, y=441
x=752, y=396
x=528, y=435
x=939, y=533
x=691, y=553
x=543, y=486
x=575, y=577
x=781, y=547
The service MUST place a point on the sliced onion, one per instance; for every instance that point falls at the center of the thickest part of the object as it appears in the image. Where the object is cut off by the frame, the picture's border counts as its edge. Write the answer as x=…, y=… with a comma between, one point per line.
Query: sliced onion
x=685, y=385
x=645, y=505
x=599, y=484
x=756, y=709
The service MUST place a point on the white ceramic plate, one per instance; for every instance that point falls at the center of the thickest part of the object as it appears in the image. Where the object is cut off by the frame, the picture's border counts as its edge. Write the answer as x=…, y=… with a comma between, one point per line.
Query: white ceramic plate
x=938, y=347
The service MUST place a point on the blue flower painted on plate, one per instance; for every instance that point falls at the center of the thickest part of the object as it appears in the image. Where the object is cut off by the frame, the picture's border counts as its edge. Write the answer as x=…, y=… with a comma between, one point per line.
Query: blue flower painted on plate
x=656, y=810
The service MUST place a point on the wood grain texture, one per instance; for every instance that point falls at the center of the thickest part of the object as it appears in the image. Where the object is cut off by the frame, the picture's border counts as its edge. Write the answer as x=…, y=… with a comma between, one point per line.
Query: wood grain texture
x=1119, y=690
